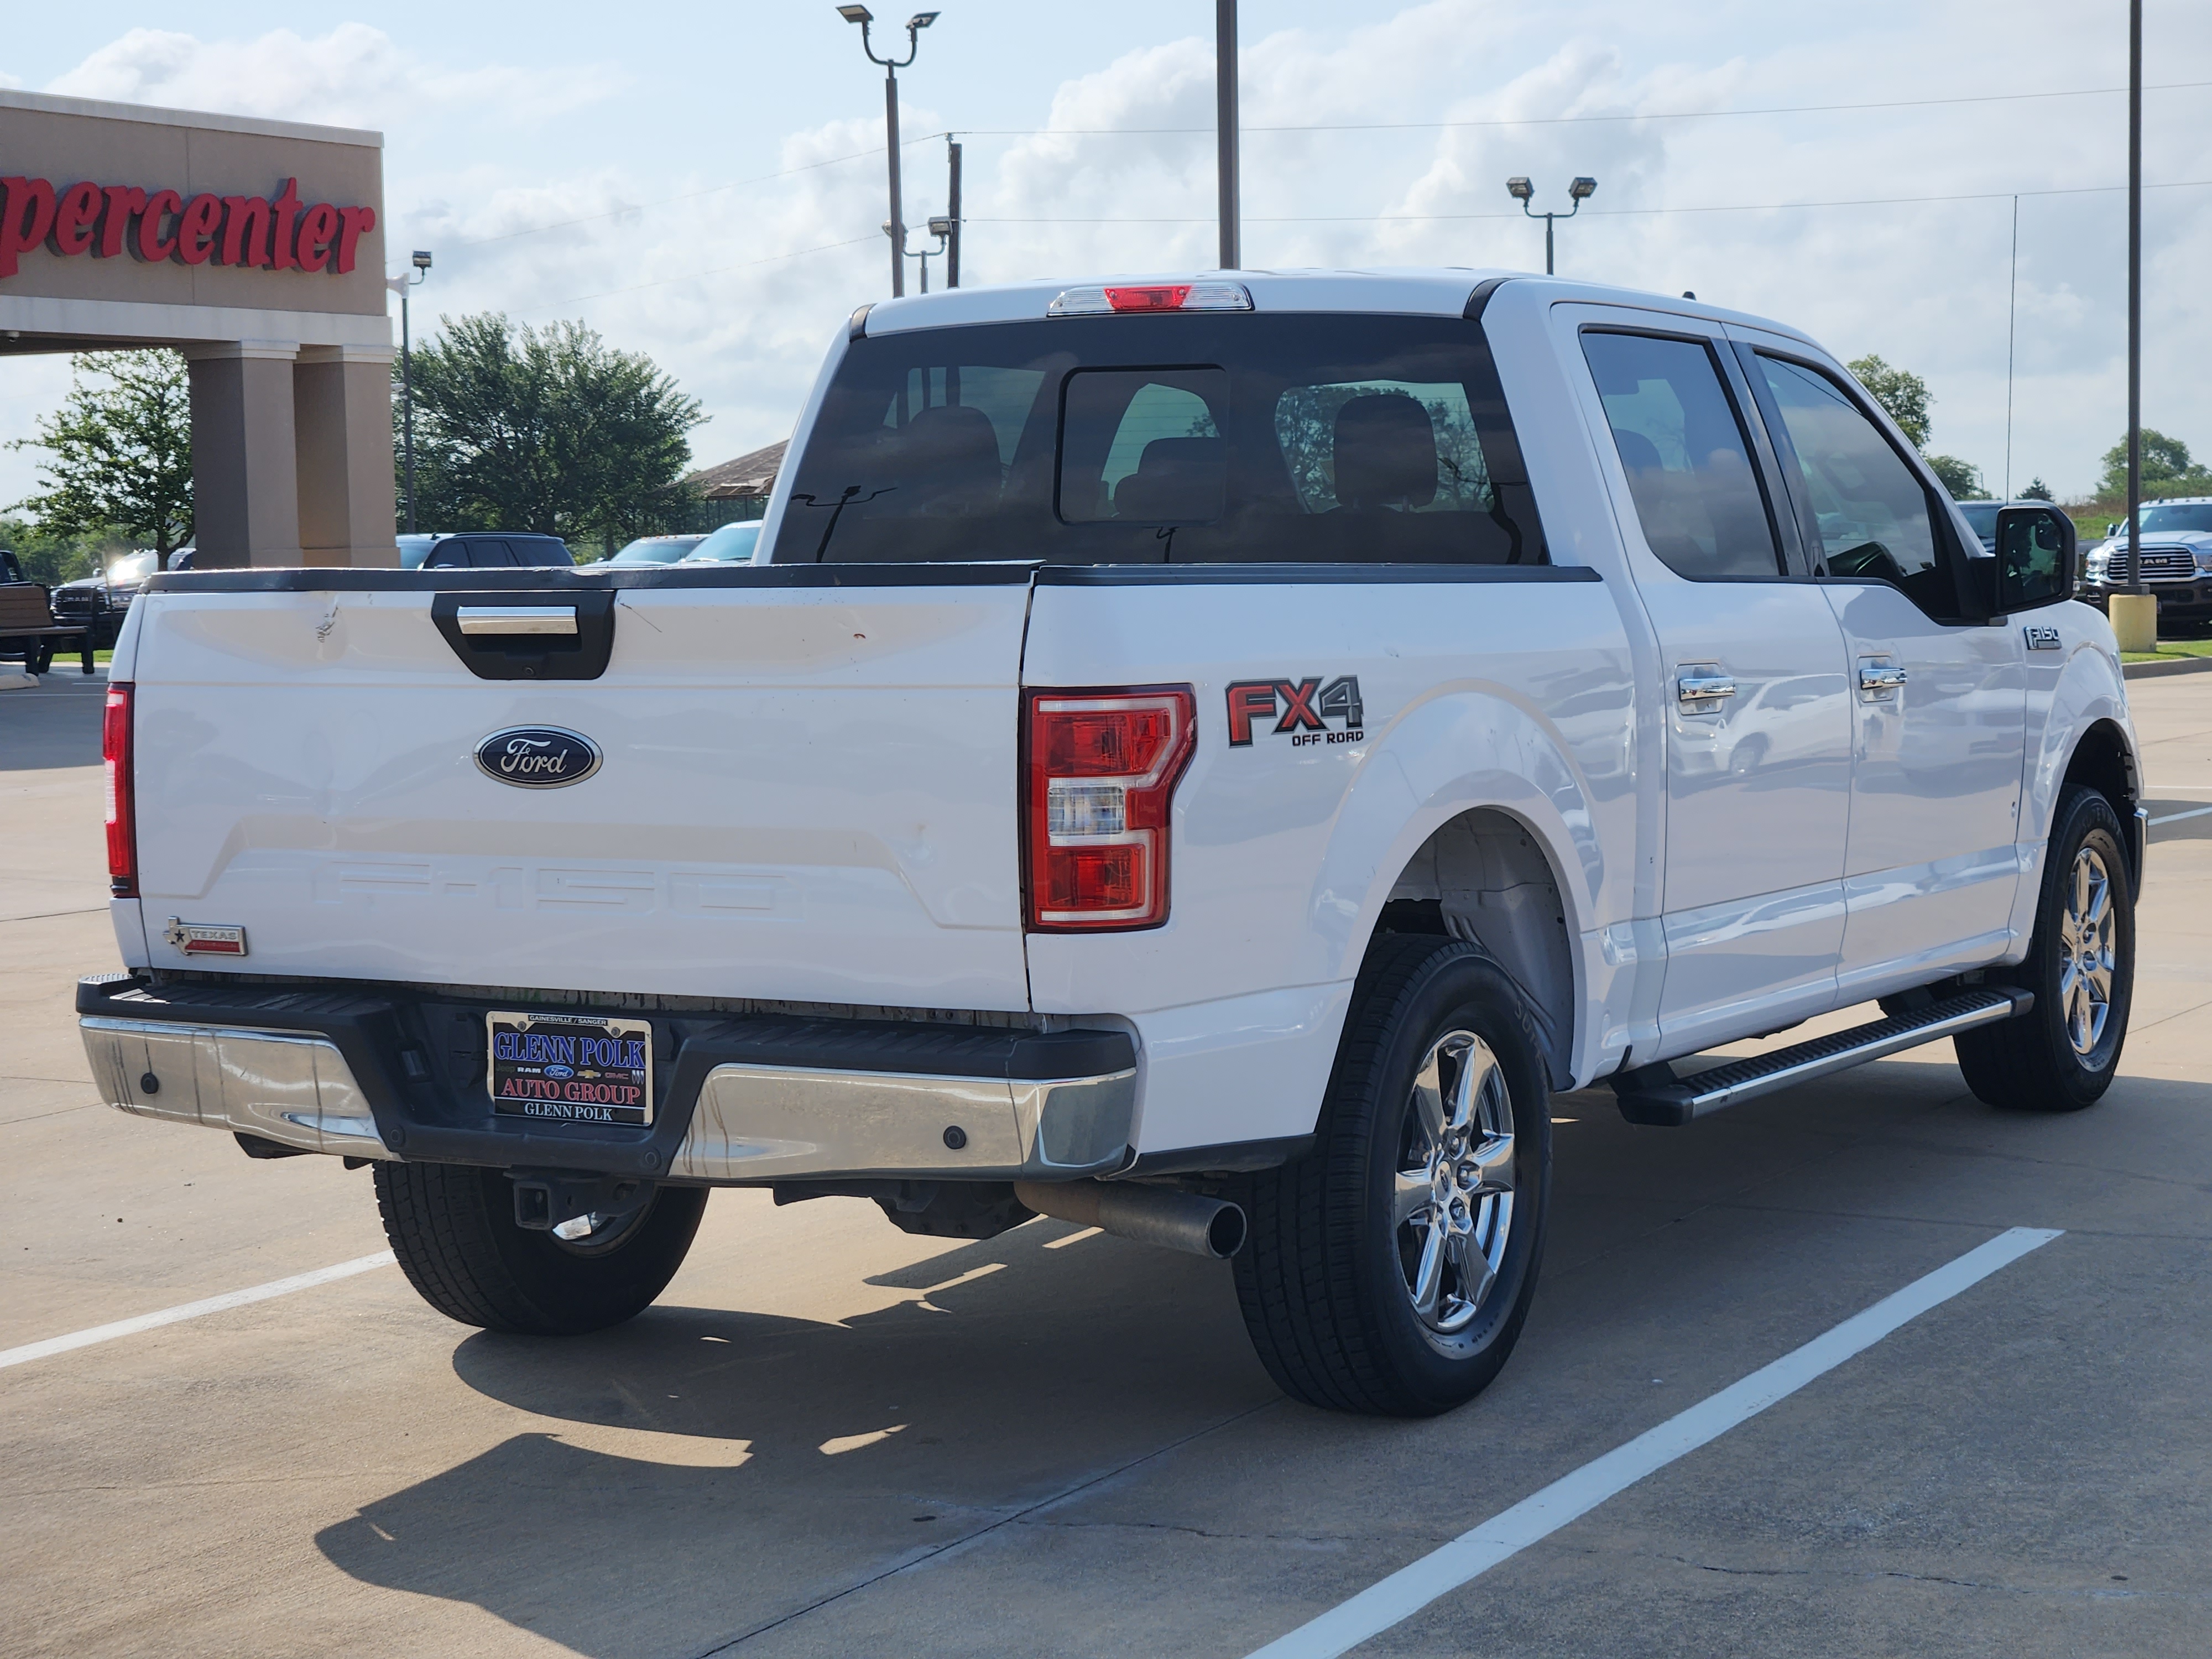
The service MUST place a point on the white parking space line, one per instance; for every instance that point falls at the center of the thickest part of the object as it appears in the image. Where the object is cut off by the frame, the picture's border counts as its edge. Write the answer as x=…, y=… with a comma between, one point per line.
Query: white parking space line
x=2176, y=817
x=1472, y=1553
x=223, y=1303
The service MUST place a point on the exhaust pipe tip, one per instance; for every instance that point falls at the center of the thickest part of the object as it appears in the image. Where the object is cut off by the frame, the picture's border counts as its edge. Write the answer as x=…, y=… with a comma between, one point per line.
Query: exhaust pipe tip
x=1175, y=1220
x=1224, y=1233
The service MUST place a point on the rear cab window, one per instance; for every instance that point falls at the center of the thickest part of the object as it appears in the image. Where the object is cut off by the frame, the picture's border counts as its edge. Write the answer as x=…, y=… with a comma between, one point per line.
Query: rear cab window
x=1686, y=451
x=1270, y=438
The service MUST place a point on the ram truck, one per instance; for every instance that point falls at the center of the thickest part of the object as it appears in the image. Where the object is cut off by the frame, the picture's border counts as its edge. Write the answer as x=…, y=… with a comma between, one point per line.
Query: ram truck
x=1205, y=756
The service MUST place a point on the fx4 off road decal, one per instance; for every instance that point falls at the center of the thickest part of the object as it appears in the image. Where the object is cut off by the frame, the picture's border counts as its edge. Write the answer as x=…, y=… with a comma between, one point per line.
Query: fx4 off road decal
x=1303, y=708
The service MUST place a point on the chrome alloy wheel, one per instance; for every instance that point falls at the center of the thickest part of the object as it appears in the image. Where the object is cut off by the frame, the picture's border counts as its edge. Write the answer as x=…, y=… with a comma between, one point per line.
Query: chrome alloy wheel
x=1452, y=1213
x=2086, y=933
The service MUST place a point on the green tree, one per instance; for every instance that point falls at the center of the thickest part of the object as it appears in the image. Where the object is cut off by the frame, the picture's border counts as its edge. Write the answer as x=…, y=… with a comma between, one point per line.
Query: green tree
x=1962, y=478
x=2167, y=469
x=1899, y=390
x=54, y=559
x=121, y=451
x=545, y=430
x=2037, y=490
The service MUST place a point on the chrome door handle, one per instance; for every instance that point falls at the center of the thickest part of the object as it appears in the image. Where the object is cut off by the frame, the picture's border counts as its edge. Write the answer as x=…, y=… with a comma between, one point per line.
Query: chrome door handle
x=1879, y=676
x=1691, y=688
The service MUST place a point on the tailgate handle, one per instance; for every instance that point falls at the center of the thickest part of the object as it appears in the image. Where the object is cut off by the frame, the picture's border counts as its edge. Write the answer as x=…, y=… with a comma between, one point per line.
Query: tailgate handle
x=553, y=630
x=517, y=619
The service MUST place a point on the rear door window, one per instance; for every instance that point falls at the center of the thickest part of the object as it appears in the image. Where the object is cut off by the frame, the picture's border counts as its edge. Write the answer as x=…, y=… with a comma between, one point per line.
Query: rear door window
x=1687, y=455
x=1294, y=438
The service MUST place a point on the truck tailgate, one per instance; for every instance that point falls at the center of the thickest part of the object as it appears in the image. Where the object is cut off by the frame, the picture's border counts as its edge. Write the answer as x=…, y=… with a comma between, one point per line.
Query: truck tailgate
x=807, y=793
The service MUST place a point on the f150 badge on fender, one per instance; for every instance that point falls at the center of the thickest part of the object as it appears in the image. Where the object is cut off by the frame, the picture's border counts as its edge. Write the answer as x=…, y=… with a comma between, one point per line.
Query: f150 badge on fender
x=1305, y=706
x=537, y=756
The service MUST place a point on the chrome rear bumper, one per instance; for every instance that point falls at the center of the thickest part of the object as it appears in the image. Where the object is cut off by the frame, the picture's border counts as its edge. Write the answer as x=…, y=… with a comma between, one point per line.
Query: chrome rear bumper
x=295, y=1090
x=763, y=1122
x=753, y=1122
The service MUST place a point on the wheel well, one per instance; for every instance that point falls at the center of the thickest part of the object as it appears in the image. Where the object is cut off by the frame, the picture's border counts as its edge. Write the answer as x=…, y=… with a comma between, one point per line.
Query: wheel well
x=1485, y=878
x=2100, y=763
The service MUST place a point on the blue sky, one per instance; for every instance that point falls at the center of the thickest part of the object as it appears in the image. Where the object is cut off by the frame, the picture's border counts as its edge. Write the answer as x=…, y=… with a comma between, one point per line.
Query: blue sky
x=619, y=164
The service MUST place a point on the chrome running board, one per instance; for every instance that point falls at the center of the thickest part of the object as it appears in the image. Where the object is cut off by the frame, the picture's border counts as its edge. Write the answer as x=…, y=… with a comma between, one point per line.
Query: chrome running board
x=1654, y=1095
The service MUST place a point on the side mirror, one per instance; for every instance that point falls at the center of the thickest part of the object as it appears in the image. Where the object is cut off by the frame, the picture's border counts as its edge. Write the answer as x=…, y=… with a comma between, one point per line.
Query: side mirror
x=2039, y=558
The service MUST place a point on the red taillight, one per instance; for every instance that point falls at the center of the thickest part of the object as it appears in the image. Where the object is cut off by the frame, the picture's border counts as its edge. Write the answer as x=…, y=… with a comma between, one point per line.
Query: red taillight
x=122, y=819
x=1102, y=769
x=1164, y=297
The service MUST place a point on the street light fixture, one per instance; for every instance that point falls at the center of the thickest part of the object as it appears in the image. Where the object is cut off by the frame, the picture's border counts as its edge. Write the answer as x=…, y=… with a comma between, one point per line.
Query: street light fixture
x=896, y=229
x=1522, y=192
x=940, y=227
x=400, y=285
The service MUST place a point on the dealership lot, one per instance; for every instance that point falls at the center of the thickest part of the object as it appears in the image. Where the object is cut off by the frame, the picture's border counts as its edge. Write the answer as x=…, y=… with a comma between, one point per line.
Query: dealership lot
x=830, y=1437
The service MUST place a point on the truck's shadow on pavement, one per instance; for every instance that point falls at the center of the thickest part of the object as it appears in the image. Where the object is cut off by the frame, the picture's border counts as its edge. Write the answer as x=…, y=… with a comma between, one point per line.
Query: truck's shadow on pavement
x=700, y=1474
x=704, y=1473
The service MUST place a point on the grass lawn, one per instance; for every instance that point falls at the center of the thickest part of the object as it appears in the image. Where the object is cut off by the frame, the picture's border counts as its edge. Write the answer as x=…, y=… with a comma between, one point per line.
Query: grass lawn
x=2168, y=650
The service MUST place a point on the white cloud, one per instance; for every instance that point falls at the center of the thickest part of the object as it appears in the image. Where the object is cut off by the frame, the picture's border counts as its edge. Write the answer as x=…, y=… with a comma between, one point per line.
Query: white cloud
x=354, y=76
x=718, y=286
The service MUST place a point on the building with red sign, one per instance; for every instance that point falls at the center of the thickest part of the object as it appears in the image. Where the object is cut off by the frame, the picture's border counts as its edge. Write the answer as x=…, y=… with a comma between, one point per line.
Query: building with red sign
x=257, y=249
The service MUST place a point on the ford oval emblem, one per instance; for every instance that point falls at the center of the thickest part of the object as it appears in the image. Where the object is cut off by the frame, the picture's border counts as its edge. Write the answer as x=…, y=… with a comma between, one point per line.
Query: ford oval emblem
x=537, y=756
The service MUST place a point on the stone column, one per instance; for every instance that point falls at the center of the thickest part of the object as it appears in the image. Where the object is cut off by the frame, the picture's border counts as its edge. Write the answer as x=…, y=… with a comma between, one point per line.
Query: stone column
x=245, y=487
x=342, y=401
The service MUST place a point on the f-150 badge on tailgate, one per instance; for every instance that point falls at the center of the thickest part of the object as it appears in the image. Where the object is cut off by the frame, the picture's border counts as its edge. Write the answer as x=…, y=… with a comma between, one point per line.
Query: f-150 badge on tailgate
x=537, y=756
x=1305, y=706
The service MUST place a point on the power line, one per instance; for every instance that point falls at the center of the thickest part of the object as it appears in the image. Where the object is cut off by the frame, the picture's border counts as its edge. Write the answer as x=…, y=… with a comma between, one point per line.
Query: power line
x=1571, y=120
x=1617, y=213
x=1384, y=218
x=745, y=264
x=692, y=195
x=1346, y=126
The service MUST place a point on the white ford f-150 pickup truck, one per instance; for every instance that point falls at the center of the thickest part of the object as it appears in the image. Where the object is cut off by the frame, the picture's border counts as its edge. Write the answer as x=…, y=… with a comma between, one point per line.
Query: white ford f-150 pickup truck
x=1205, y=757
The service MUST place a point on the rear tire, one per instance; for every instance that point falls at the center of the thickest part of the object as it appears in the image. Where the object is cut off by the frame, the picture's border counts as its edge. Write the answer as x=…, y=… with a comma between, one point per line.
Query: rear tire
x=1434, y=1141
x=453, y=1228
x=2063, y=1054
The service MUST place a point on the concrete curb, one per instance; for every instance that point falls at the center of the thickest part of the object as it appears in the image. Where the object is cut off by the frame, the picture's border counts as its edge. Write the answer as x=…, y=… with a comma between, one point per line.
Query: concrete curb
x=2159, y=671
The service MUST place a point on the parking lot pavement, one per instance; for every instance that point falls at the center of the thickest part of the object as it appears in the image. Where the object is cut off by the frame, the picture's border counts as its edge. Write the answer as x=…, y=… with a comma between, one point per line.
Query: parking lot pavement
x=832, y=1438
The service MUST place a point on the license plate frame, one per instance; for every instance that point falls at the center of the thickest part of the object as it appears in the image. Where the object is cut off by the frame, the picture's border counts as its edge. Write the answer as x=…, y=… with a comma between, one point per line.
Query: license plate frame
x=590, y=1069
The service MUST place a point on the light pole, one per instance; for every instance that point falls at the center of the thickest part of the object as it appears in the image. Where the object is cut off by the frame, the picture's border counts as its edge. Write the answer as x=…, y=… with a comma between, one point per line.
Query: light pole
x=1225, y=133
x=1523, y=192
x=2134, y=607
x=400, y=285
x=891, y=66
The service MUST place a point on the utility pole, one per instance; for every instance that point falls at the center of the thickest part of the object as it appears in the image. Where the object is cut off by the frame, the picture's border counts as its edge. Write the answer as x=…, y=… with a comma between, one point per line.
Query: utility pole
x=1225, y=123
x=2135, y=289
x=895, y=227
x=2134, y=607
x=952, y=212
x=2012, y=333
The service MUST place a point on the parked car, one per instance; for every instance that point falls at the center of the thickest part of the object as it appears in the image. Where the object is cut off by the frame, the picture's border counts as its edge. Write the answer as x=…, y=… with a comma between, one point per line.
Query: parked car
x=1210, y=773
x=656, y=550
x=2174, y=552
x=1981, y=517
x=477, y=551
x=102, y=601
x=11, y=569
x=732, y=544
